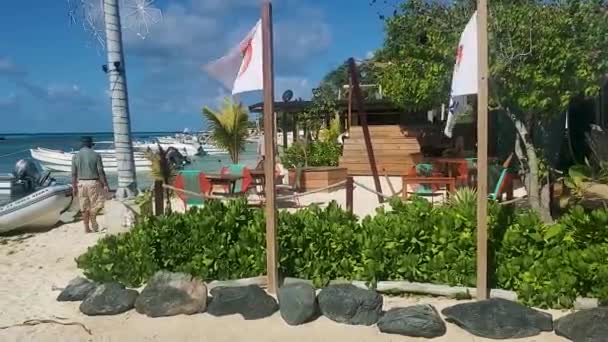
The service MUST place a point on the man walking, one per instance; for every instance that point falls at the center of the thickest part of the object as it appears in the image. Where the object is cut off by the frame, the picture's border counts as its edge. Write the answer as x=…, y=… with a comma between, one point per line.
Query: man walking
x=89, y=183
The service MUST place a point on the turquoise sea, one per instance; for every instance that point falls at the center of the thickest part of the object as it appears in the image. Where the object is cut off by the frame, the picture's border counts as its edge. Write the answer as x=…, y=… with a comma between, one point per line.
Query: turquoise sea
x=16, y=147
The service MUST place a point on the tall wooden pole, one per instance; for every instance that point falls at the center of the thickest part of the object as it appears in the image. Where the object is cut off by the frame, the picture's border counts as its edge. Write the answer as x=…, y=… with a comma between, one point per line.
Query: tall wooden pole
x=354, y=76
x=269, y=148
x=482, y=151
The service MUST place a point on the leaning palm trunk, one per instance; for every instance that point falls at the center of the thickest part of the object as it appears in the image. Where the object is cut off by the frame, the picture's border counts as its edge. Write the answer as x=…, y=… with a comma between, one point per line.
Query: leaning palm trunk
x=127, y=182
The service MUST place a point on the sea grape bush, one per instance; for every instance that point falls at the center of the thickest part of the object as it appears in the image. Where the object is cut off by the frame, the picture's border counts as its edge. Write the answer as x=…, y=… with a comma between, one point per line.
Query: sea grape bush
x=547, y=265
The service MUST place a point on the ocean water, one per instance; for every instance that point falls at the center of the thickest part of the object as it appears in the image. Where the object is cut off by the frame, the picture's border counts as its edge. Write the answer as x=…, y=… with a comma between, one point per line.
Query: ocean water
x=17, y=147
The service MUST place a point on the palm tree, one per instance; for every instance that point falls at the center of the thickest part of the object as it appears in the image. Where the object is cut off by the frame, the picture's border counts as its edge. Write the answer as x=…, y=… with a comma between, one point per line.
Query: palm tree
x=127, y=181
x=161, y=169
x=229, y=127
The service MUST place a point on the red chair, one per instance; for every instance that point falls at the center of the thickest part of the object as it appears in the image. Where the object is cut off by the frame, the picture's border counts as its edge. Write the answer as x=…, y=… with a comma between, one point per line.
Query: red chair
x=243, y=185
x=192, y=181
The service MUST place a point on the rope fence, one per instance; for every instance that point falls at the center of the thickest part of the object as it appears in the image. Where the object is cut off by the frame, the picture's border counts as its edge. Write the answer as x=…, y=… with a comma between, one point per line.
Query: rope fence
x=349, y=184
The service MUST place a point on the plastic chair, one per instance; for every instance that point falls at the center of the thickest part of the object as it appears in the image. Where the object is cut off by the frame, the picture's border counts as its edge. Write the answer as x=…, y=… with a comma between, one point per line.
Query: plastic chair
x=243, y=185
x=424, y=190
x=193, y=181
x=287, y=189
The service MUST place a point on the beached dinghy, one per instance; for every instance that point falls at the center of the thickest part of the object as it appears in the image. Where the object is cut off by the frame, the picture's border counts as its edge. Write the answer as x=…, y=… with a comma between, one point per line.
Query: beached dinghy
x=37, y=202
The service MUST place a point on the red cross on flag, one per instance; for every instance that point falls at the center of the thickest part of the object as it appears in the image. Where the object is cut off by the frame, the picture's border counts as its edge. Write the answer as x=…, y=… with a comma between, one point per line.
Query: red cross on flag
x=241, y=69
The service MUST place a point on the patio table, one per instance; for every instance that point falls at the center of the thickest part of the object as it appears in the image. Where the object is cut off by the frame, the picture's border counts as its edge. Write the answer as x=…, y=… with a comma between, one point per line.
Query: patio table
x=217, y=179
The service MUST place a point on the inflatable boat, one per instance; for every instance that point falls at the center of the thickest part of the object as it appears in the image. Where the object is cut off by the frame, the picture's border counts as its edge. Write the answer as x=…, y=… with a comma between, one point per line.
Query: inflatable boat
x=35, y=200
x=41, y=209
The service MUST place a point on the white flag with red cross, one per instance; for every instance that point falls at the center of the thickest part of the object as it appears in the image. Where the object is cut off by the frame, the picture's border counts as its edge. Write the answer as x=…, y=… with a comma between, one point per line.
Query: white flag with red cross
x=241, y=70
x=464, y=79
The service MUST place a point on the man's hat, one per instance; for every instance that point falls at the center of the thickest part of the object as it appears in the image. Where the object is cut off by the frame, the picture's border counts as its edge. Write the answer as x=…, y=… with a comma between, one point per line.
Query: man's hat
x=87, y=140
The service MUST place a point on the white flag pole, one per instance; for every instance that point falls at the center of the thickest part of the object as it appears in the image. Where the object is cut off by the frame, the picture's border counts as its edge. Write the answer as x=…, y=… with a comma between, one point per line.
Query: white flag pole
x=269, y=148
x=482, y=151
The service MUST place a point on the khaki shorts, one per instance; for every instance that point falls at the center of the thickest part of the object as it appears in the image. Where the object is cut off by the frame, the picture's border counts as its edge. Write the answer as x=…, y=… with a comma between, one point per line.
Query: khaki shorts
x=90, y=195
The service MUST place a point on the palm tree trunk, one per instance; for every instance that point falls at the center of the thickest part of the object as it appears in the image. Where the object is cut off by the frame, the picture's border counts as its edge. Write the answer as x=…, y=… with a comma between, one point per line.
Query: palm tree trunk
x=127, y=182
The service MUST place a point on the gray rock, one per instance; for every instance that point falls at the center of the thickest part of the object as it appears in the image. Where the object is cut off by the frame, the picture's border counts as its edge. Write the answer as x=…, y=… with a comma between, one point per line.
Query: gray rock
x=170, y=294
x=498, y=319
x=414, y=321
x=351, y=305
x=108, y=299
x=582, y=303
x=78, y=289
x=584, y=326
x=298, y=303
x=250, y=301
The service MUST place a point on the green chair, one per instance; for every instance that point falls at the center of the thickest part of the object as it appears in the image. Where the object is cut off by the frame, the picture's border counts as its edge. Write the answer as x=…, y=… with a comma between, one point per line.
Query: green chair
x=425, y=190
x=242, y=185
x=497, y=179
x=192, y=181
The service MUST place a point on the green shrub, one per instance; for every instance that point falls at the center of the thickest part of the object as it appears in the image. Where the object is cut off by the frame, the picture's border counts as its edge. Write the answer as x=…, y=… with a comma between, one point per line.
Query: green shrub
x=547, y=265
x=317, y=153
x=214, y=242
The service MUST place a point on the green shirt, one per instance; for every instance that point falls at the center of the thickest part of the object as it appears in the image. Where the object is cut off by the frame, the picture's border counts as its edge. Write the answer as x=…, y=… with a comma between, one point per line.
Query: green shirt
x=87, y=165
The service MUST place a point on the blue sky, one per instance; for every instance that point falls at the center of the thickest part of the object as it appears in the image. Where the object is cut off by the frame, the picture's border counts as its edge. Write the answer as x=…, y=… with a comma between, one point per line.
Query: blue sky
x=51, y=78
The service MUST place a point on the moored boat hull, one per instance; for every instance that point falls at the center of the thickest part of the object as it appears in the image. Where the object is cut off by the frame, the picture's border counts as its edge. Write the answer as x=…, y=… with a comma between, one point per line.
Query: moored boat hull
x=41, y=209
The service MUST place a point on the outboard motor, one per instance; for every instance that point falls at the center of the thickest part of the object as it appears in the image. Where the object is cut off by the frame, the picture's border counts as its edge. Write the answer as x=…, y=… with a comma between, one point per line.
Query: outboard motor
x=30, y=175
x=175, y=158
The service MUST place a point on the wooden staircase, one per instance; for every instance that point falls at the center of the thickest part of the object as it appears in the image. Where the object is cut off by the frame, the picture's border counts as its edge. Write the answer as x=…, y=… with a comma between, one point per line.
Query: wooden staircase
x=392, y=148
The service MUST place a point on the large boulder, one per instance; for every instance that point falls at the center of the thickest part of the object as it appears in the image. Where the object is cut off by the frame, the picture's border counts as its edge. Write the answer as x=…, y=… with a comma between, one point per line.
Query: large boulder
x=414, y=321
x=498, y=319
x=77, y=290
x=251, y=302
x=584, y=326
x=170, y=294
x=346, y=303
x=298, y=303
x=108, y=299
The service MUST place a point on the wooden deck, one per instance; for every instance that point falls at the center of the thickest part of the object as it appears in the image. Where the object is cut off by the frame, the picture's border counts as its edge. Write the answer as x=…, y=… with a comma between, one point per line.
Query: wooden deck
x=393, y=150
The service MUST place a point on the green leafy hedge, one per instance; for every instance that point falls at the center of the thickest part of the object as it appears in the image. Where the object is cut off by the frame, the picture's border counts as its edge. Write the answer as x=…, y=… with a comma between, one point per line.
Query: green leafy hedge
x=547, y=265
x=316, y=153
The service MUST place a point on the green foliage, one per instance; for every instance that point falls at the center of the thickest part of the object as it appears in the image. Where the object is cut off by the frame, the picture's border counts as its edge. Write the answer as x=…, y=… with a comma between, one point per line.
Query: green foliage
x=229, y=127
x=331, y=133
x=216, y=242
x=547, y=265
x=542, y=53
x=144, y=202
x=317, y=153
x=320, y=244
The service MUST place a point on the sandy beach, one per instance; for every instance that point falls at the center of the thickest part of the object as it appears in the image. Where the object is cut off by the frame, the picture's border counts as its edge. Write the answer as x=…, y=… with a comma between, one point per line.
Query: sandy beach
x=34, y=265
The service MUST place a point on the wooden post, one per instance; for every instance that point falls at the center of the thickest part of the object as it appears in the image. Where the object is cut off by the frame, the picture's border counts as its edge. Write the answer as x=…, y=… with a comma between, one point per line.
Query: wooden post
x=350, y=189
x=350, y=102
x=284, y=127
x=269, y=148
x=159, y=200
x=354, y=75
x=482, y=151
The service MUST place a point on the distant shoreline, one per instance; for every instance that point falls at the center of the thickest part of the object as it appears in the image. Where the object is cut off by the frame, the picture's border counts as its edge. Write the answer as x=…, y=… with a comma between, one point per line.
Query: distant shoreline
x=82, y=133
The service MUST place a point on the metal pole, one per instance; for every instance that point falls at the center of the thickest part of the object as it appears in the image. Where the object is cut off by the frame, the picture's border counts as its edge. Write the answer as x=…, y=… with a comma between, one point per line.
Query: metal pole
x=127, y=181
x=269, y=146
x=482, y=151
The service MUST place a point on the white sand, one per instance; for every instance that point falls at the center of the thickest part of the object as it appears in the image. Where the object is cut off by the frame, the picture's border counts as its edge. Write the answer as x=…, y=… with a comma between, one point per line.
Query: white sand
x=32, y=267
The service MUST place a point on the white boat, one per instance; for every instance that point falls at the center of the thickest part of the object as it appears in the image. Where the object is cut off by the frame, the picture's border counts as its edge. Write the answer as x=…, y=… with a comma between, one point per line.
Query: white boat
x=41, y=209
x=56, y=160
x=188, y=150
